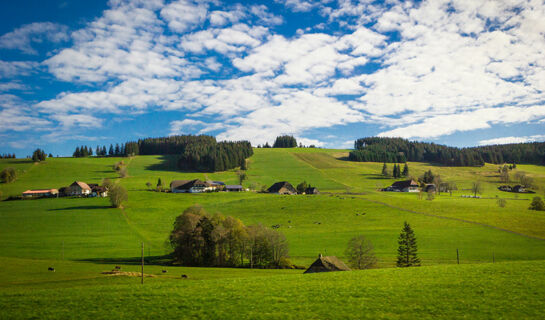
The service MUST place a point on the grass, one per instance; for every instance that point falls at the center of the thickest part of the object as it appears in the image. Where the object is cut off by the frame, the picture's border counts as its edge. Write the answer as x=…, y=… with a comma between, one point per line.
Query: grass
x=506, y=290
x=81, y=237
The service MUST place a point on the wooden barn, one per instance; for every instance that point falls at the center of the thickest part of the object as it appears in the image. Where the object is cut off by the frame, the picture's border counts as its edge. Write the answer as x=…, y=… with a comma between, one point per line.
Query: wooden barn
x=282, y=187
x=78, y=188
x=327, y=264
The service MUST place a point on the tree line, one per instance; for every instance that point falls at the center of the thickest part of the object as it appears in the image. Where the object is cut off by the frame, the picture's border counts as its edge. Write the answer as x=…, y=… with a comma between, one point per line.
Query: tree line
x=201, y=239
x=398, y=150
x=7, y=156
x=199, y=153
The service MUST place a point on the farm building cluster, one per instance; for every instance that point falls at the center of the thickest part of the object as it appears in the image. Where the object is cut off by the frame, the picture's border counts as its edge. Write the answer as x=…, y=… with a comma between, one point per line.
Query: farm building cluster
x=516, y=189
x=199, y=186
x=410, y=186
x=76, y=189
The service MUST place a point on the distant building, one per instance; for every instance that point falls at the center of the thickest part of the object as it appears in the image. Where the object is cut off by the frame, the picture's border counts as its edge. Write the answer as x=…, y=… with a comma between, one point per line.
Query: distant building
x=282, y=187
x=403, y=186
x=234, y=188
x=40, y=193
x=327, y=264
x=99, y=191
x=78, y=188
x=312, y=190
x=430, y=187
x=192, y=186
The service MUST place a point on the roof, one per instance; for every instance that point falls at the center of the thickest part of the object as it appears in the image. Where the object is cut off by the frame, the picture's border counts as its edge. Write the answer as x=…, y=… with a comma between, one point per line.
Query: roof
x=38, y=191
x=99, y=189
x=279, y=185
x=82, y=185
x=311, y=190
x=404, y=184
x=234, y=186
x=187, y=184
x=327, y=264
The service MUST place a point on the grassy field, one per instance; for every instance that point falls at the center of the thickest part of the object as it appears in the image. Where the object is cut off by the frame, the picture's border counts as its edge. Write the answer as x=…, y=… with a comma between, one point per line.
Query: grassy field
x=485, y=291
x=82, y=237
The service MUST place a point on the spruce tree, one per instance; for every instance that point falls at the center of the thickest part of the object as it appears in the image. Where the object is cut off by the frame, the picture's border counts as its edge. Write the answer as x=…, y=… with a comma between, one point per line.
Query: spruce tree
x=407, y=251
x=406, y=170
x=384, y=170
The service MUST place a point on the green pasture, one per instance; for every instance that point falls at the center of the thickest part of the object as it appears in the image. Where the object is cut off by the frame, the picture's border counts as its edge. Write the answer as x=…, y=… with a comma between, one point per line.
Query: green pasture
x=512, y=290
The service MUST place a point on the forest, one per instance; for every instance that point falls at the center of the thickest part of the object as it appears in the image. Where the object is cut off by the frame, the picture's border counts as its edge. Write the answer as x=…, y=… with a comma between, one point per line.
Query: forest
x=377, y=149
x=199, y=153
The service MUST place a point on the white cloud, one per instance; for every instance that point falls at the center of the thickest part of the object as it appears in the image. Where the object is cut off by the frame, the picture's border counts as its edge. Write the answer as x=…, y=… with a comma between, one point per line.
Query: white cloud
x=507, y=140
x=185, y=126
x=10, y=69
x=22, y=38
x=184, y=15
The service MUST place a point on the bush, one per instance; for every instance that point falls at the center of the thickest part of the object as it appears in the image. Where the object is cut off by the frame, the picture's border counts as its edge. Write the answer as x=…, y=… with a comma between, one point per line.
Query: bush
x=537, y=204
x=8, y=175
x=501, y=203
x=118, y=195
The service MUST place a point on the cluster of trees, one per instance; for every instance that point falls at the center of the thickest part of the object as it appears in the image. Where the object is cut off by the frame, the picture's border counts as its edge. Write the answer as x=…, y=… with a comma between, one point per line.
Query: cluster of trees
x=119, y=150
x=201, y=239
x=7, y=156
x=8, y=175
x=396, y=172
x=360, y=251
x=38, y=155
x=537, y=204
x=285, y=142
x=83, y=151
x=529, y=153
x=121, y=169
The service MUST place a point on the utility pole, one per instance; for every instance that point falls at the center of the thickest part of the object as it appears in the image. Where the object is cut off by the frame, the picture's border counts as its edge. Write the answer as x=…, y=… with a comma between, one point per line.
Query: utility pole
x=142, y=262
x=457, y=256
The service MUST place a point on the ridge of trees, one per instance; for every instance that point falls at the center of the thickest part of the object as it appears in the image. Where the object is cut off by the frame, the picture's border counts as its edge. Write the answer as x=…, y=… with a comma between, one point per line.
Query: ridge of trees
x=399, y=150
x=285, y=142
x=199, y=153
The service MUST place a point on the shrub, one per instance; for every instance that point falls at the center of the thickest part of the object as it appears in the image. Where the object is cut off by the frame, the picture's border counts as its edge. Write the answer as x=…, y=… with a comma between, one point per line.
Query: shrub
x=501, y=202
x=118, y=195
x=8, y=175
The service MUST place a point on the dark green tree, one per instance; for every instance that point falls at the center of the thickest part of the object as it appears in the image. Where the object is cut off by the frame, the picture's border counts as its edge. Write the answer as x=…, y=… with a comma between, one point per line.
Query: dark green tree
x=537, y=204
x=8, y=175
x=384, y=170
x=405, y=170
x=302, y=187
x=407, y=250
x=285, y=142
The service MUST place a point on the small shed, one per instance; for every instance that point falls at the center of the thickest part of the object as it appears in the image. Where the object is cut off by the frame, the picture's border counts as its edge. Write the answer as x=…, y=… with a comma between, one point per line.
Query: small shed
x=282, y=187
x=327, y=264
x=234, y=188
x=40, y=193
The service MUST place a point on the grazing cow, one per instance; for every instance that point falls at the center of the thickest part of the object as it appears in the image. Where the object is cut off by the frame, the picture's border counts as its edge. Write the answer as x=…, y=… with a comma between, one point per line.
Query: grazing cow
x=164, y=271
x=117, y=267
x=184, y=276
x=51, y=269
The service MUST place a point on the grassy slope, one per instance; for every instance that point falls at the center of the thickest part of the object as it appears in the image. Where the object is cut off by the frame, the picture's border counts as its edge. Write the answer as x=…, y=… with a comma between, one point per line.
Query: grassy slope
x=509, y=290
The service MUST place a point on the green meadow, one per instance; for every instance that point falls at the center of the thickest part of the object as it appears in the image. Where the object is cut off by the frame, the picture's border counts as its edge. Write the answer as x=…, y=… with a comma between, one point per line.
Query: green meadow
x=82, y=237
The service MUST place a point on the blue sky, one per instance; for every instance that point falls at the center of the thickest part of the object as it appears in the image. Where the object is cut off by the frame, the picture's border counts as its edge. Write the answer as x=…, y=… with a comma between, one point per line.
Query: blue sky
x=457, y=72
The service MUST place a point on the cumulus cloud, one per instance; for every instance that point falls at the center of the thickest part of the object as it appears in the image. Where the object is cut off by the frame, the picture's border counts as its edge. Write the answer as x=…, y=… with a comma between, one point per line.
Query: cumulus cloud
x=507, y=140
x=23, y=37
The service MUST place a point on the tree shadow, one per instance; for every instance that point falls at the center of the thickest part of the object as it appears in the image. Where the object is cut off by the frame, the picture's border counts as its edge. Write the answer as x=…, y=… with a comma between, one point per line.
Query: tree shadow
x=168, y=163
x=164, y=260
x=375, y=176
x=81, y=208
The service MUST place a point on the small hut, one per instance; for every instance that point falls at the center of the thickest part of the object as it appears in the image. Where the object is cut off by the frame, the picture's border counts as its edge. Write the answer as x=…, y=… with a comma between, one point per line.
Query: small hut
x=282, y=187
x=327, y=264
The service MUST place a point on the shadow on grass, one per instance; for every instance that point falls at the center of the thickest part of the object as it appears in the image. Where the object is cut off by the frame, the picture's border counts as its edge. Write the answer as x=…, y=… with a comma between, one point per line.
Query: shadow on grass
x=375, y=176
x=169, y=163
x=81, y=208
x=164, y=260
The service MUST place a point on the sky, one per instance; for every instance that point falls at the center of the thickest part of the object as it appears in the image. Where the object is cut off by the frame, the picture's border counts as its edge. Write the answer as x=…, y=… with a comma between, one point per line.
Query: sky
x=455, y=72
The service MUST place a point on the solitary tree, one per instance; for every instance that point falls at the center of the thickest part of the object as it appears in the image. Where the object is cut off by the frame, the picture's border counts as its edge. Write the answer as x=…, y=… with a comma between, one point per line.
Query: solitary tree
x=241, y=176
x=504, y=174
x=537, y=204
x=476, y=187
x=384, y=170
x=501, y=202
x=360, y=253
x=159, y=184
x=407, y=251
x=118, y=195
x=148, y=184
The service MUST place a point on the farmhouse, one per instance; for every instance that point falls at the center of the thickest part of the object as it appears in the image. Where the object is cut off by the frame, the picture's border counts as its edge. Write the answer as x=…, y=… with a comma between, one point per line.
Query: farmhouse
x=403, y=186
x=99, y=191
x=40, y=193
x=234, y=188
x=327, y=264
x=192, y=186
x=78, y=188
x=282, y=187
x=312, y=190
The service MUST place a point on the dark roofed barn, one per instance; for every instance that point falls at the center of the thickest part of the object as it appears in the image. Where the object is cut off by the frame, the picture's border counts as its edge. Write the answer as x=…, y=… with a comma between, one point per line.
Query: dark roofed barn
x=327, y=264
x=312, y=190
x=282, y=187
x=403, y=186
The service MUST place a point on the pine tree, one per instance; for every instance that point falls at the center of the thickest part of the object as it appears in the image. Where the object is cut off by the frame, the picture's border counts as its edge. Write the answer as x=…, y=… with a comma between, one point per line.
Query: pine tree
x=159, y=184
x=384, y=170
x=406, y=170
x=111, y=151
x=407, y=251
